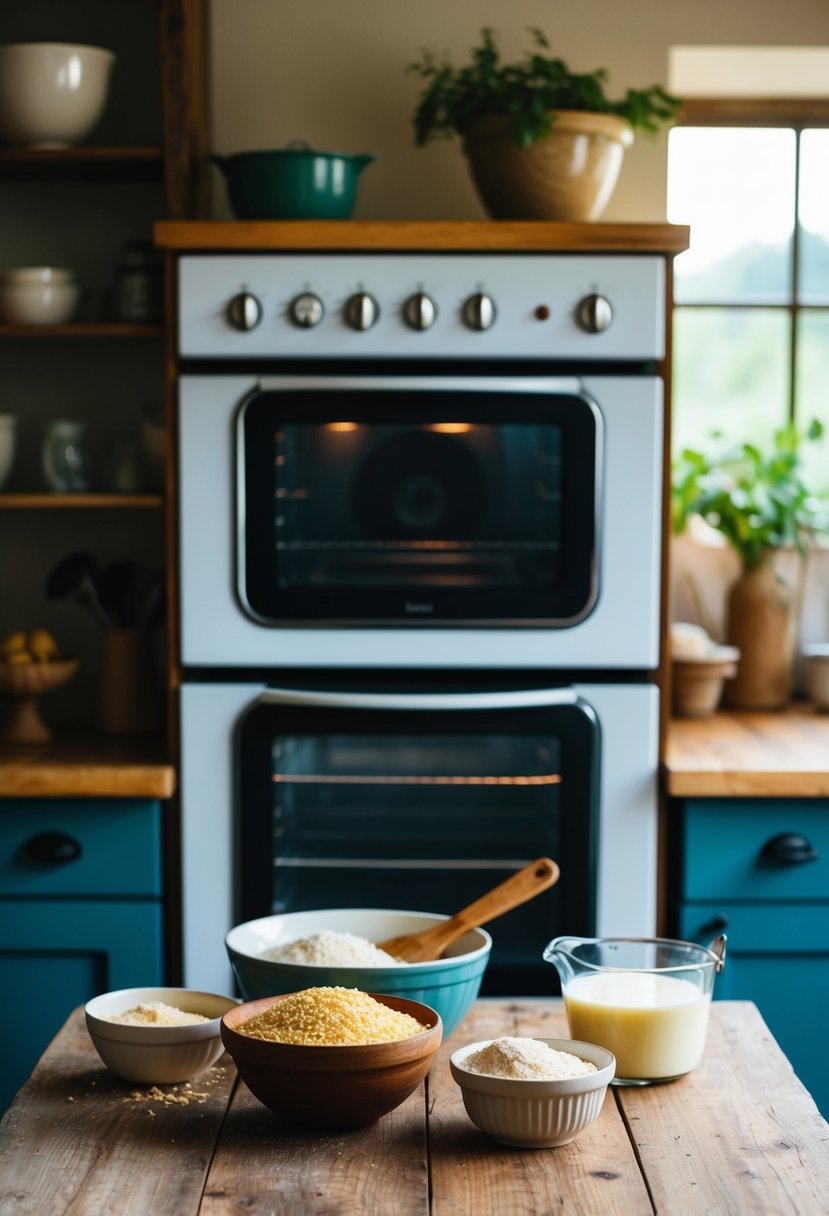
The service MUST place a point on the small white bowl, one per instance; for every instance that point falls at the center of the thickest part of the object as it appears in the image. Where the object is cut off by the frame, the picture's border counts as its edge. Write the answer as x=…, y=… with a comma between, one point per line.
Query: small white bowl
x=158, y=1055
x=8, y=443
x=535, y=1114
x=38, y=303
x=51, y=93
x=36, y=275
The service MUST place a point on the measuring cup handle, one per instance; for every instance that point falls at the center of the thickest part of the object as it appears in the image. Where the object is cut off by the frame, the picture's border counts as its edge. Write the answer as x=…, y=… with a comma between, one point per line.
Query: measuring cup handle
x=717, y=947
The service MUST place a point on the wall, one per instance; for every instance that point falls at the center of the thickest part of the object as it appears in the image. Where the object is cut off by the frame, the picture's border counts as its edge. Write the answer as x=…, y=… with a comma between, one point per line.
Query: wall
x=332, y=72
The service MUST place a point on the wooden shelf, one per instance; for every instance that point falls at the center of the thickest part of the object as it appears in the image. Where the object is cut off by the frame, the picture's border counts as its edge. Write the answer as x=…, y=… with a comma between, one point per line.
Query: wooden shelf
x=87, y=767
x=38, y=501
x=85, y=163
x=82, y=329
x=422, y=234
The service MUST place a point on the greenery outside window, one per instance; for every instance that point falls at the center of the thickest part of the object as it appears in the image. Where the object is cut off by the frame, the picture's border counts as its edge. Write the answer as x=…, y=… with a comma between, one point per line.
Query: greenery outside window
x=751, y=316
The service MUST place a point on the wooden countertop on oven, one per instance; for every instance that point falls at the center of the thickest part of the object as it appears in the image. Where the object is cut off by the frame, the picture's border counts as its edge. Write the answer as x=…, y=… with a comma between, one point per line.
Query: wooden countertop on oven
x=738, y=1134
x=70, y=767
x=444, y=235
x=753, y=754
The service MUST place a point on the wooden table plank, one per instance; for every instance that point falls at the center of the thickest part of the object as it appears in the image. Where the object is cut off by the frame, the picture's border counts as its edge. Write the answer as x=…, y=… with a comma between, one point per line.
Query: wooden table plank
x=263, y=1165
x=738, y=1135
x=597, y=1172
x=77, y=1140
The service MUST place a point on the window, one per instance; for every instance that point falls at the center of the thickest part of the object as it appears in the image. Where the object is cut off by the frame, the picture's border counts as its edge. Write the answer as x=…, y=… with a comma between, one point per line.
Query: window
x=751, y=319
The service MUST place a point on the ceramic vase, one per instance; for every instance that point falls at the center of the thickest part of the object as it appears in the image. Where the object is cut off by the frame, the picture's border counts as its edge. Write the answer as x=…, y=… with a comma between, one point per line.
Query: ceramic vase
x=760, y=623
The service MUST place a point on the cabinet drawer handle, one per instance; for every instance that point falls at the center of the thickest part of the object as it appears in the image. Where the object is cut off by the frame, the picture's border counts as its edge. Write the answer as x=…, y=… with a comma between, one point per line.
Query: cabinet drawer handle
x=53, y=848
x=788, y=849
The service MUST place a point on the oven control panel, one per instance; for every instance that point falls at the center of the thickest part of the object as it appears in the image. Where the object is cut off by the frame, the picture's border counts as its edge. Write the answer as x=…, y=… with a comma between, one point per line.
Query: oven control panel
x=391, y=305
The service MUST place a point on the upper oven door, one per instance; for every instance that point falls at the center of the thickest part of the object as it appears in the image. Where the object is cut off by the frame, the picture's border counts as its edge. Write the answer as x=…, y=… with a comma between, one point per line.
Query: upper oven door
x=360, y=550
x=389, y=500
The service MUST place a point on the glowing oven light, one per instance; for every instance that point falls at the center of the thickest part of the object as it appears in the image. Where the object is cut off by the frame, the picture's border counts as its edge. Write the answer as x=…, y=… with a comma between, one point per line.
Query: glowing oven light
x=342, y=426
x=402, y=779
x=451, y=428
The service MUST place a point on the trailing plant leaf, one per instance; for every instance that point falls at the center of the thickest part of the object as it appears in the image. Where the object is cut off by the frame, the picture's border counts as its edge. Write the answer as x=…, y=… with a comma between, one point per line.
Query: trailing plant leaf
x=758, y=502
x=455, y=97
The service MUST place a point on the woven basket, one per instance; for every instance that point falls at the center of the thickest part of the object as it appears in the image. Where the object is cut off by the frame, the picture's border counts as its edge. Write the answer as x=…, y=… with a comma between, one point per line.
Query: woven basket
x=568, y=175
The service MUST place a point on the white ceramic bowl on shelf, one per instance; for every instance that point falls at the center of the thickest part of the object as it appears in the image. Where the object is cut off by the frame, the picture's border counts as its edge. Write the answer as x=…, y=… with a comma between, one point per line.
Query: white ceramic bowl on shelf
x=538, y=1113
x=43, y=303
x=51, y=93
x=158, y=1055
x=36, y=275
x=8, y=444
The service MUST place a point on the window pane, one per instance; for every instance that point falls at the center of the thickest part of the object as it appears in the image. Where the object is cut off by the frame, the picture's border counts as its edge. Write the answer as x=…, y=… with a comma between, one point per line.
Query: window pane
x=813, y=393
x=735, y=187
x=814, y=217
x=730, y=374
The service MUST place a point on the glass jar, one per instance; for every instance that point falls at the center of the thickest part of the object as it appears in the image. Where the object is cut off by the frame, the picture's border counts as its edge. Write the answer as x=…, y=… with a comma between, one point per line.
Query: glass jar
x=137, y=296
x=65, y=456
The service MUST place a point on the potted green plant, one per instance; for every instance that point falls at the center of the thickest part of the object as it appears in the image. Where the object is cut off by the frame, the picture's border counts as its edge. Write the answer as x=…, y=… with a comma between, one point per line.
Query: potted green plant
x=543, y=142
x=760, y=503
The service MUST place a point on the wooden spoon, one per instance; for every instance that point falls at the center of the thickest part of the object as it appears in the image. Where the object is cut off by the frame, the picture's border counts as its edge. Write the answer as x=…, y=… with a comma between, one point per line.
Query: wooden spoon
x=517, y=889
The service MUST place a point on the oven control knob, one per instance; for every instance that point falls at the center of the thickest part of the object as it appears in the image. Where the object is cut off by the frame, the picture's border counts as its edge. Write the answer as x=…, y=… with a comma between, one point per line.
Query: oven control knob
x=479, y=311
x=420, y=311
x=594, y=314
x=244, y=312
x=361, y=310
x=306, y=310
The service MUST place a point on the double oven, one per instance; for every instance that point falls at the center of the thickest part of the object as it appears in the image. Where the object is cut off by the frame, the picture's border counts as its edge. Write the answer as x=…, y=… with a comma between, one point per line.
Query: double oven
x=419, y=519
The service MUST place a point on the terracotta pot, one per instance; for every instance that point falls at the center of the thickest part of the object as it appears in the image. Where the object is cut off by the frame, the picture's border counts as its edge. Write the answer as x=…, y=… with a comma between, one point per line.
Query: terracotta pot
x=760, y=624
x=698, y=683
x=569, y=175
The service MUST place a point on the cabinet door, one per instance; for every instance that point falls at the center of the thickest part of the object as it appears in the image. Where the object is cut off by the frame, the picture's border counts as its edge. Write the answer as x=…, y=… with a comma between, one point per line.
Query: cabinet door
x=777, y=957
x=54, y=956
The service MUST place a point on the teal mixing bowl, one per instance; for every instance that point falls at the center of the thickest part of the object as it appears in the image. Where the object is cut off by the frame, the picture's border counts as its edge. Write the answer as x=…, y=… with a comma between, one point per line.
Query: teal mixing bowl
x=449, y=984
x=293, y=183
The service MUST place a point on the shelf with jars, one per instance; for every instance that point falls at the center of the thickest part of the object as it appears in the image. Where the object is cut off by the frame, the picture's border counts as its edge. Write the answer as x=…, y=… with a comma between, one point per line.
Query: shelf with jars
x=82, y=410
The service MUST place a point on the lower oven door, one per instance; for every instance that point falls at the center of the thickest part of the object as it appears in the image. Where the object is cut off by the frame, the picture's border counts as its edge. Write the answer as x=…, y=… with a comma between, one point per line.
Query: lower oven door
x=304, y=799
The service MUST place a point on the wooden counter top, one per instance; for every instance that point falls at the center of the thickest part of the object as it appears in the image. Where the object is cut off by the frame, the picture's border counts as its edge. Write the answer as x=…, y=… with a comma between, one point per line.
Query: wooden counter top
x=738, y=1134
x=95, y=767
x=749, y=754
x=446, y=235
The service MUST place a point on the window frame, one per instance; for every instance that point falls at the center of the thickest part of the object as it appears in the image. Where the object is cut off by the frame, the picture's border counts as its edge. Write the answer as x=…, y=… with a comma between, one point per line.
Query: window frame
x=796, y=114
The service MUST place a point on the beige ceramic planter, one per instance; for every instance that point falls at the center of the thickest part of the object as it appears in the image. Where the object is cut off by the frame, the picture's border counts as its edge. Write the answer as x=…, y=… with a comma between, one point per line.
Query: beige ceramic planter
x=569, y=175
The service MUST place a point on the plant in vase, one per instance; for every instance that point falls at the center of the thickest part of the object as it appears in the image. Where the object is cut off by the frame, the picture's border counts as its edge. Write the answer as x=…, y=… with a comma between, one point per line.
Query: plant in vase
x=761, y=504
x=543, y=142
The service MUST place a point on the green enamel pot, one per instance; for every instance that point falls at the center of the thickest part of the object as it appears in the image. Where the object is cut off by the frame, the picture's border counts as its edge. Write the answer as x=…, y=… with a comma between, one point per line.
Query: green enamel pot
x=292, y=183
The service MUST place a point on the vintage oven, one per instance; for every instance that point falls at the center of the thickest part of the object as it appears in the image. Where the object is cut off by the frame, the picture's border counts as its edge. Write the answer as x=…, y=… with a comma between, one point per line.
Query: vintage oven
x=419, y=526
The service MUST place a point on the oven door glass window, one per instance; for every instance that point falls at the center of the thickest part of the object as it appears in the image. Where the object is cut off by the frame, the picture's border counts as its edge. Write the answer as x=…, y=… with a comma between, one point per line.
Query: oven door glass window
x=420, y=815
x=418, y=506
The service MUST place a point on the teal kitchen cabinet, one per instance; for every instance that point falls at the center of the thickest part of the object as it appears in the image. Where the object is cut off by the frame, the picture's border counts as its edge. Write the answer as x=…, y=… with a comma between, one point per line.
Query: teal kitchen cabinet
x=80, y=914
x=758, y=870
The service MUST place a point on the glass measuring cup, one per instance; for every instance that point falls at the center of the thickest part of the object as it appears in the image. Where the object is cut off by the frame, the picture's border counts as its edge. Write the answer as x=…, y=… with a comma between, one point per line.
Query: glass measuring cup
x=645, y=999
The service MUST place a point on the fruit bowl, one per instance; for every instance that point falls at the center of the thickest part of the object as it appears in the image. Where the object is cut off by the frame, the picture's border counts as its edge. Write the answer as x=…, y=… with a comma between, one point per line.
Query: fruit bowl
x=24, y=683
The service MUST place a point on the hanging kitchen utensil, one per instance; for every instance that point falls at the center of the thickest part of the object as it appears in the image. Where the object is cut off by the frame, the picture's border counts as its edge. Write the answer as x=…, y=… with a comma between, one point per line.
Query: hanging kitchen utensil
x=118, y=592
x=75, y=576
x=515, y=890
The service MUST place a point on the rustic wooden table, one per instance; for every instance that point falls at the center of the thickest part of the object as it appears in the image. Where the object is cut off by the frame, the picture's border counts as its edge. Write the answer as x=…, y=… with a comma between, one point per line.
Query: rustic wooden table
x=738, y=1135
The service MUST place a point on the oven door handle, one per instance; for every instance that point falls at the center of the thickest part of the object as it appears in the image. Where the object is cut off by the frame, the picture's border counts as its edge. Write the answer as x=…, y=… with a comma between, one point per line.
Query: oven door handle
x=529, y=698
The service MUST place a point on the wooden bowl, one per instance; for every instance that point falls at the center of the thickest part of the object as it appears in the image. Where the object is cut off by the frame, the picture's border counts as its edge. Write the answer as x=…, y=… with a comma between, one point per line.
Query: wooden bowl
x=24, y=683
x=332, y=1087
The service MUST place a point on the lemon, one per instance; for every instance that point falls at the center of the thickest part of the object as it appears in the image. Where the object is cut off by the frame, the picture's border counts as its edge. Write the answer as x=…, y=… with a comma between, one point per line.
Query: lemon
x=11, y=644
x=42, y=646
x=19, y=656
